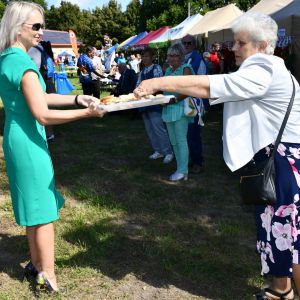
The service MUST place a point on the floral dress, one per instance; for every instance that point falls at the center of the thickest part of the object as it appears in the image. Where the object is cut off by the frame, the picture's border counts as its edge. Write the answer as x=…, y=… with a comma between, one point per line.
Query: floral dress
x=279, y=226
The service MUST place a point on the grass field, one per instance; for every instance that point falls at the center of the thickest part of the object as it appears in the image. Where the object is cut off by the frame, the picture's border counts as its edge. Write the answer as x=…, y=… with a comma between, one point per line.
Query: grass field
x=128, y=233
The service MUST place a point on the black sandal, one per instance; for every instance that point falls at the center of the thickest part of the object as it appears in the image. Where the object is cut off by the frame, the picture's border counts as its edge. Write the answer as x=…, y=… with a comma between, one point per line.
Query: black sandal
x=44, y=285
x=281, y=296
x=30, y=271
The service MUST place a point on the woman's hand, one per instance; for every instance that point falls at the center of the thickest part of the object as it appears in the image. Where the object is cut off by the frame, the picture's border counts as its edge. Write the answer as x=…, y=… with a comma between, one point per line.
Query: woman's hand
x=95, y=110
x=86, y=100
x=147, y=87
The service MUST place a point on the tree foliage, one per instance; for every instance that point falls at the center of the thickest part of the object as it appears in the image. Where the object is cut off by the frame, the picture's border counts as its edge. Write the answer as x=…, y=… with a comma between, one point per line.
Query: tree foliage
x=91, y=25
x=2, y=8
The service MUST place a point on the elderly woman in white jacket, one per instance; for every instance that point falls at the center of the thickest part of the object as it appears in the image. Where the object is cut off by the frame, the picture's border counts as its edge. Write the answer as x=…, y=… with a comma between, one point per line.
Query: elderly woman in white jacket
x=255, y=101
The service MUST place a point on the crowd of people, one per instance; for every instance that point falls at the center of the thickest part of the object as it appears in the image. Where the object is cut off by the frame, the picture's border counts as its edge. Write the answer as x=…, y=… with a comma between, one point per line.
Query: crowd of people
x=171, y=133
x=255, y=90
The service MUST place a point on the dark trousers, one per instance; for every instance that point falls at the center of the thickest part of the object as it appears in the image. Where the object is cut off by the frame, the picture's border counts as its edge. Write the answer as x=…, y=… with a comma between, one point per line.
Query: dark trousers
x=195, y=142
x=87, y=88
x=91, y=88
x=96, y=88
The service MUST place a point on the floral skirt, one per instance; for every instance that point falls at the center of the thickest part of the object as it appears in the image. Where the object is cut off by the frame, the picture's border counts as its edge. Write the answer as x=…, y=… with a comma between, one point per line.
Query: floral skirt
x=278, y=226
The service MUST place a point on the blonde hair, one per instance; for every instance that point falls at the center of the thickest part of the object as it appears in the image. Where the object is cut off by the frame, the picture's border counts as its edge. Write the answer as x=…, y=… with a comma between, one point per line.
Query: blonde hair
x=15, y=15
x=177, y=49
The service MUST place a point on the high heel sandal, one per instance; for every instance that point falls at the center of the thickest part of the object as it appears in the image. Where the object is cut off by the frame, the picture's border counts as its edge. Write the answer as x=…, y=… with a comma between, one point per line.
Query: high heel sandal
x=272, y=293
x=30, y=271
x=43, y=284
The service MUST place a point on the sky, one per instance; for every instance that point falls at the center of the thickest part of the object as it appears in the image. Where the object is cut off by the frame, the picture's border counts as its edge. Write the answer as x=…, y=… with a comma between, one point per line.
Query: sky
x=88, y=4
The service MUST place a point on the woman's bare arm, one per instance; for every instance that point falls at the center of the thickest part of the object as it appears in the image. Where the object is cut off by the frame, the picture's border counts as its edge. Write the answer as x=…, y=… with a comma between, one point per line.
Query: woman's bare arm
x=38, y=104
x=194, y=85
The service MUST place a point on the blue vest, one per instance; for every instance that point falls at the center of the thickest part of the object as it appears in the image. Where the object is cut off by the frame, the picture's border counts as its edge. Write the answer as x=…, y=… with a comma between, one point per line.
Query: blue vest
x=146, y=76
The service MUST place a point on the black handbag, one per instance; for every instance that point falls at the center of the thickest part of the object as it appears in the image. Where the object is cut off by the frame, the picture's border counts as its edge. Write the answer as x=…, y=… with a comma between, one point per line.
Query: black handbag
x=257, y=181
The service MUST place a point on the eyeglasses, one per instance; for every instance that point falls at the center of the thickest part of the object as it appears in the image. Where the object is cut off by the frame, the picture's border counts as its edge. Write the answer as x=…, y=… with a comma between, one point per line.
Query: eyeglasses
x=172, y=55
x=36, y=26
x=187, y=43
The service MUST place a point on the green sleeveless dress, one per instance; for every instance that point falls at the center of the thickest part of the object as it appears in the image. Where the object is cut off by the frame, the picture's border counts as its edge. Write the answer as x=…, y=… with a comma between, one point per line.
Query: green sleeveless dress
x=28, y=162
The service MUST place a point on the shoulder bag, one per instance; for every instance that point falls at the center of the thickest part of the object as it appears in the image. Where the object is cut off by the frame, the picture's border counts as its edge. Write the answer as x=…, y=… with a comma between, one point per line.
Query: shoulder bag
x=193, y=107
x=257, y=182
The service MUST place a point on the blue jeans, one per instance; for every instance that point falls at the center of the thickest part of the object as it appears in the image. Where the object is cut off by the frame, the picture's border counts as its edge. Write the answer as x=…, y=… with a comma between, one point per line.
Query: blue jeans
x=195, y=142
x=178, y=137
x=157, y=132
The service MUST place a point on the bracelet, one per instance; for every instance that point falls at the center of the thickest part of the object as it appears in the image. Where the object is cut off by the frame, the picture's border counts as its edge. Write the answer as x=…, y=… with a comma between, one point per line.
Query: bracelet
x=76, y=100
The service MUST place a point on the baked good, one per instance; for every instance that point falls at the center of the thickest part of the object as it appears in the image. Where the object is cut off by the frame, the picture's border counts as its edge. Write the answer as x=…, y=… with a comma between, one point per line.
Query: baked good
x=126, y=98
x=108, y=99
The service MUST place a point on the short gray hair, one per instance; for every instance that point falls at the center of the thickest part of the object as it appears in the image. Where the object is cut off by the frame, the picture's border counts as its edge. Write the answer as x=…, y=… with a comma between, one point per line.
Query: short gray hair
x=177, y=49
x=260, y=27
x=15, y=15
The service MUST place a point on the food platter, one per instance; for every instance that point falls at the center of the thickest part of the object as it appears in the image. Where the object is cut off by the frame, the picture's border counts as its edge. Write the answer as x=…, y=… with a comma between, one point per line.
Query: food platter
x=129, y=102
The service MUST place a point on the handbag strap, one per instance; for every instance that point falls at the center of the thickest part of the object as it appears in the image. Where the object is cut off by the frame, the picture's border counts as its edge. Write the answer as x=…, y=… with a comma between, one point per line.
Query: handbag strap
x=284, y=120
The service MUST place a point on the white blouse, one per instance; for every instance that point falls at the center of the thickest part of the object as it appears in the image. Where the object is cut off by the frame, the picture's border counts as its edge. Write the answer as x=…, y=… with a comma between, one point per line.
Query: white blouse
x=255, y=101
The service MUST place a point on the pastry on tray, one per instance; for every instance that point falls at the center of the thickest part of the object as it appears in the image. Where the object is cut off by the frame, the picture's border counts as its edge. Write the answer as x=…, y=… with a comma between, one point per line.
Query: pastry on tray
x=126, y=98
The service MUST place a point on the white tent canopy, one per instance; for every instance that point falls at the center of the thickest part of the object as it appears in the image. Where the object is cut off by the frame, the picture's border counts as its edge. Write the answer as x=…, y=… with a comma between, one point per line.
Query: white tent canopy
x=178, y=31
x=269, y=7
x=216, y=19
x=288, y=18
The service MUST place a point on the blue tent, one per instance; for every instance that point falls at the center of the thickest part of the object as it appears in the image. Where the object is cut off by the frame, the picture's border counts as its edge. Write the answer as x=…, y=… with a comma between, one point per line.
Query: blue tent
x=66, y=53
x=134, y=40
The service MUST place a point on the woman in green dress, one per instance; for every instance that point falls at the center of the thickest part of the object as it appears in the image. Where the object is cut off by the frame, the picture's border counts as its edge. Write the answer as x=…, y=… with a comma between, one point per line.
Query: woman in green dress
x=35, y=199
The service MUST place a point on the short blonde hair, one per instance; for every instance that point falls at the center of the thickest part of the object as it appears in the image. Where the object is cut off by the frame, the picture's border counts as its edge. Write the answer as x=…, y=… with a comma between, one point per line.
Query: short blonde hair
x=15, y=15
x=177, y=49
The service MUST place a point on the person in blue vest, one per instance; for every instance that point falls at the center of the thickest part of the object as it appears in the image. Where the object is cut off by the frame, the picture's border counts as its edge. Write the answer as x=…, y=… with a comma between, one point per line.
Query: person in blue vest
x=195, y=59
x=155, y=127
x=86, y=68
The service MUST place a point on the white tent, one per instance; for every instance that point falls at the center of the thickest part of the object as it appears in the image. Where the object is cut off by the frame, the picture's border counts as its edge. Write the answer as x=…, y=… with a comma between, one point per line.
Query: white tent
x=178, y=31
x=288, y=18
x=269, y=7
x=216, y=19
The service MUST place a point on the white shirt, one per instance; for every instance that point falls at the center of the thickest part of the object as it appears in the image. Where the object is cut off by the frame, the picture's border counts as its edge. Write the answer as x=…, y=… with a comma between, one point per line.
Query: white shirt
x=134, y=65
x=98, y=66
x=255, y=102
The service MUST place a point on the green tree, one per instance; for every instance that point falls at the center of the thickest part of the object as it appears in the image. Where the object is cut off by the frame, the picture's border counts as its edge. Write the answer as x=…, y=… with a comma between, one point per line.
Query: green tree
x=2, y=8
x=91, y=31
x=132, y=14
x=157, y=13
x=114, y=23
x=69, y=15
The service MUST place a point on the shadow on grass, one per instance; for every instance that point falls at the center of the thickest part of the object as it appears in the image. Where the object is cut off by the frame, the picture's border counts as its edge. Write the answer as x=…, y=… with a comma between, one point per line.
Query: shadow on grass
x=13, y=252
x=199, y=270
x=194, y=234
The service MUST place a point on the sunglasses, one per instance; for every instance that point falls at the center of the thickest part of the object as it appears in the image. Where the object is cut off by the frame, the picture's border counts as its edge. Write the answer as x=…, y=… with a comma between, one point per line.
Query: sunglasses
x=187, y=43
x=36, y=26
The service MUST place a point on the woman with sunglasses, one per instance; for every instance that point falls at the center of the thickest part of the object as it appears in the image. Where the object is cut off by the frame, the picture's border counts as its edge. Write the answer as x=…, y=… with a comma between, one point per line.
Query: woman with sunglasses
x=36, y=202
x=173, y=114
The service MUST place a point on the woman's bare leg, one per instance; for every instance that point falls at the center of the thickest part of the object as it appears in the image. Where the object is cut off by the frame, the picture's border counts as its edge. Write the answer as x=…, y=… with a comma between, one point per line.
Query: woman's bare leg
x=296, y=277
x=45, y=249
x=281, y=285
x=31, y=236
